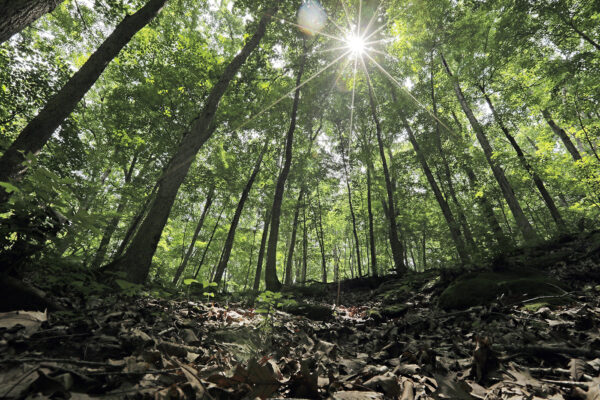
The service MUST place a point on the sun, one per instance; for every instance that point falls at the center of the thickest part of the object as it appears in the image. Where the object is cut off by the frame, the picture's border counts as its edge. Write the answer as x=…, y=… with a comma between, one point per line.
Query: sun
x=356, y=44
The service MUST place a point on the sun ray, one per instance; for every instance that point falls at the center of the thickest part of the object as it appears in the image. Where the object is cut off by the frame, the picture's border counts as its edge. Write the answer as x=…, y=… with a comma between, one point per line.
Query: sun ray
x=331, y=49
x=372, y=19
x=292, y=91
x=347, y=14
x=352, y=102
x=391, y=78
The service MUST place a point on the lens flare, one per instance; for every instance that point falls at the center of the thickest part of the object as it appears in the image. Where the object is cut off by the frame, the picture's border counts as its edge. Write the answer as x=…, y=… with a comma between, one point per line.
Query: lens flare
x=311, y=17
x=356, y=44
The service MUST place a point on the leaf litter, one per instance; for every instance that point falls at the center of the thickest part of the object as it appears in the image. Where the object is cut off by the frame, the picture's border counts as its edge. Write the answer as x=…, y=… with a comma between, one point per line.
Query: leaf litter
x=148, y=348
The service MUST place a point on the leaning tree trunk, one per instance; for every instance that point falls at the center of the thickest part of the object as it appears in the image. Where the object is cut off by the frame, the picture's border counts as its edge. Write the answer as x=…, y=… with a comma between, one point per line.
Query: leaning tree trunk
x=450, y=220
x=288, y=268
x=15, y=15
x=560, y=132
x=509, y=195
x=236, y=217
x=39, y=130
x=560, y=223
x=271, y=281
x=261, y=250
x=210, y=239
x=138, y=257
x=114, y=221
x=190, y=250
x=395, y=244
x=466, y=229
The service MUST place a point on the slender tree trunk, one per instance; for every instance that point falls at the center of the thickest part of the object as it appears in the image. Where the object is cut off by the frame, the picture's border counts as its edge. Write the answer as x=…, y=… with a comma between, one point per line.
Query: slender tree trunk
x=190, y=250
x=135, y=222
x=210, y=239
x=288, y=267
x=110, y=228
x=15, y=15
x=352, y=215
x=321, y=238
x=562, y=135
x=560, y=223
x=39, y=130
x=304, y=244
x=250, y=258
x=236, y=217
x=271, y=281
x=395, y=244
x=261, y=251
x=138, y=257
x=452, y=224
x=507, y=190
x=466, y=229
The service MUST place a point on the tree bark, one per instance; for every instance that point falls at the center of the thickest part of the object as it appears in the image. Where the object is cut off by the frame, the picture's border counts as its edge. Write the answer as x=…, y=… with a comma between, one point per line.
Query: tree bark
x=524, y=226
x=288, y=268
x=250, y=258
x=560, y=132
x=271, y=281
x=560, y=223
x=304, y=244
x=15, y=15
x=321, y=238
x=371, y=228
x=261, y=251
x=466, y=229
x=352, y=215
x=190, y=250
x=395, y=244
x=448, y=216
x=210, y=239
x=138, y=257
x=39, y=130
x=236, y=217
x=110, y=228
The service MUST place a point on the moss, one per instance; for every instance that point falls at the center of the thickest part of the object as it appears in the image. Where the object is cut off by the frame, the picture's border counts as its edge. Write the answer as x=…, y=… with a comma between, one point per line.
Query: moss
x=482, y=288
x=394, y=310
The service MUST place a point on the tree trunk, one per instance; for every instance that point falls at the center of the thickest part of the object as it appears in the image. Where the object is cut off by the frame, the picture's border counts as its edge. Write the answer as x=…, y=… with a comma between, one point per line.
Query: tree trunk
x=190, y=250
x=466, y=229
x=352, y=215
x=15, y=15
x=114, y=221
x=288, y=267
x=136, y=221
x=261, y=251
x=304, y=244
x=560, y=132
x=560, y=223
x=395, y=244
x=236, y=217
x=371, y=228
x=507, y=190
x=210, y=239
x=271, y=281
x=138, y=257
x=452, y=224
x=321, y=238
x=250, y=258
x=39, y=130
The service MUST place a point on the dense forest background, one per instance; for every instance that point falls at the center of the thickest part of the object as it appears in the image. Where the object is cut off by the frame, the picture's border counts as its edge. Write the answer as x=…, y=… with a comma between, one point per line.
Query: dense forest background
x=230, y=140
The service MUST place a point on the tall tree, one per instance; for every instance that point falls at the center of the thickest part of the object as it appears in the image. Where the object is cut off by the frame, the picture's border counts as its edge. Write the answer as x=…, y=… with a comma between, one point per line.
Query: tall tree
x=136, y=261
x=395, y=244
x=39, y=130
x=190, y=250
x=271, y=280
x=507, y=190
x=236, y=217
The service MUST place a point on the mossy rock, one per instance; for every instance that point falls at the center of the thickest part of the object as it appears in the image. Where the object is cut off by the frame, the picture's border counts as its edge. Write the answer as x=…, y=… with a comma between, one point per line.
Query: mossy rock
x=394, y=293
x=315, y=312
x=482, y=288
x=394, y=310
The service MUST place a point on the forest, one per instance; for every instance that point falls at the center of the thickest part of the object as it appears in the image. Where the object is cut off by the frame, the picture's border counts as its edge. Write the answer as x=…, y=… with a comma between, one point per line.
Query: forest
x=344, y=199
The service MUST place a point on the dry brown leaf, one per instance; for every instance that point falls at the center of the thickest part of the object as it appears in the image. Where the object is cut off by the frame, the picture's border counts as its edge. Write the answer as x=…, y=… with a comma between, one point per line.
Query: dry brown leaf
x=30, y=320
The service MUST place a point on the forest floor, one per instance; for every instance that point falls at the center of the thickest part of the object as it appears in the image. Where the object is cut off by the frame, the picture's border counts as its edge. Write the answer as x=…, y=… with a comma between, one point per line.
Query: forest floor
x=388, y=338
